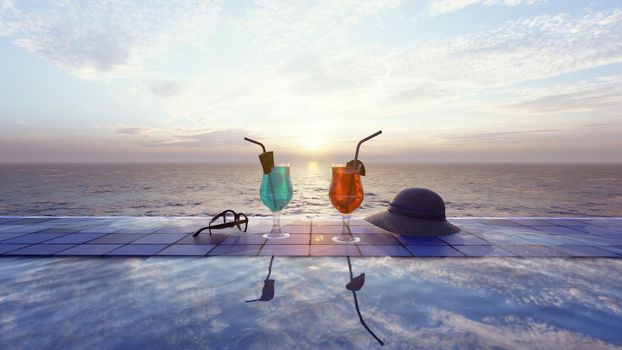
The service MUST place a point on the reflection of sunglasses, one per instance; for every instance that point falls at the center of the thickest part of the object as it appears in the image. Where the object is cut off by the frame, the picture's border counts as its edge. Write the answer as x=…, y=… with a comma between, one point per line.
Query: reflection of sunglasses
x=238, y=220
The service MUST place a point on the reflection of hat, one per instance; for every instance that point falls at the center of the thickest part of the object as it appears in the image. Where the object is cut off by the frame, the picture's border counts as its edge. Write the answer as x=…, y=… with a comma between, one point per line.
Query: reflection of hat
x=415, y=212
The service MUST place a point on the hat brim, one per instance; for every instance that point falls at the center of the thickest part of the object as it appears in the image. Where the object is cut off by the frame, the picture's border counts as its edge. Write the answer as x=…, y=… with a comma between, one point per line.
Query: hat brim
x=409, y=226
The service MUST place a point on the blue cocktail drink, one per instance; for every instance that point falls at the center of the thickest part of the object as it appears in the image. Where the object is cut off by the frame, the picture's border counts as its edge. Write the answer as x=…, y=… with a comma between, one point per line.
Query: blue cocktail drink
x=276, y=192
x=276, y=188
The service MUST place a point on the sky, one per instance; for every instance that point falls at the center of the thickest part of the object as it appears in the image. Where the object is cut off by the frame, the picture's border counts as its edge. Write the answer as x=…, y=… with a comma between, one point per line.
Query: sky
x=445, y=80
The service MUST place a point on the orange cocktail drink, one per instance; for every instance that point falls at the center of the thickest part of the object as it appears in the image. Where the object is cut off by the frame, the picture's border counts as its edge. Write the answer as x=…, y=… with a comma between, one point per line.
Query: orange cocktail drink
x=346, y=190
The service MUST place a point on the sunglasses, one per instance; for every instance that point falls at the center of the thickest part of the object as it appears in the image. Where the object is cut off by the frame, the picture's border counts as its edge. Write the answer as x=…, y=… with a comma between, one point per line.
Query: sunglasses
x=239, y=220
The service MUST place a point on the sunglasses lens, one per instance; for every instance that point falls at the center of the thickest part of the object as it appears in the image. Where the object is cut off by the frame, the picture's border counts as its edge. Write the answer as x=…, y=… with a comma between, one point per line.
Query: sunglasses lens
x=229, y=216
x=243, y=217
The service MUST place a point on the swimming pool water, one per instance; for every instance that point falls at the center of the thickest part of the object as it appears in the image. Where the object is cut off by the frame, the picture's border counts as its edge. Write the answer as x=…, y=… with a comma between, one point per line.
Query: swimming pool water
x=178, y=303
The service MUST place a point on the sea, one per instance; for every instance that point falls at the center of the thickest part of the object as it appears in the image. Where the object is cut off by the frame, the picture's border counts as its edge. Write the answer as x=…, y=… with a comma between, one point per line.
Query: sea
x=551, y=190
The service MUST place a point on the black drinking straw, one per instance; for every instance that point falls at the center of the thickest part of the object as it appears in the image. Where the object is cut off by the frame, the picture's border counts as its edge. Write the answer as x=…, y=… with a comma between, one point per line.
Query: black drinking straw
x=264, y=148
x=356, y=155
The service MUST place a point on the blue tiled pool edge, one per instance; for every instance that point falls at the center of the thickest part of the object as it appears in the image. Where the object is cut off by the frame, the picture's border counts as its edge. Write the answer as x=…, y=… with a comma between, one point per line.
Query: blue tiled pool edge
x=532, y=237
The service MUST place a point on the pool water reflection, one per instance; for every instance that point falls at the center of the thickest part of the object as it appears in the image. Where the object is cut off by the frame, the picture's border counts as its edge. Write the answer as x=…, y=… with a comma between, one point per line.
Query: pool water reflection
x=165, y=303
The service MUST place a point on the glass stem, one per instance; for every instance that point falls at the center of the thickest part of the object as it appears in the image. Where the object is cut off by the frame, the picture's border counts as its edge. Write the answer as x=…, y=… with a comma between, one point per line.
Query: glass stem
x=276, y=222
x=345, y=230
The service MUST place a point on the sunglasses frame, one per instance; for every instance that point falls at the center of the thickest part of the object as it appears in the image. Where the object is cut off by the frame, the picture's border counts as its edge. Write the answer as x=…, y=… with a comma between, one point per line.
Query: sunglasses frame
x=237, y=221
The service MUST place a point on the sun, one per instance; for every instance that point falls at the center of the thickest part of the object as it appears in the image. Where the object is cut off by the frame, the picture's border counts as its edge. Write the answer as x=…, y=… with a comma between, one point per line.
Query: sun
x=313, y=142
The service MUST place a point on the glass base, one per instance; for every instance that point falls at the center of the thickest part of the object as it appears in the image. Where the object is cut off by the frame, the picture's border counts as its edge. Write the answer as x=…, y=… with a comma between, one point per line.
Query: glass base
x=346, y=239
x=346, y=235
x=276, y=232
x=280, y=235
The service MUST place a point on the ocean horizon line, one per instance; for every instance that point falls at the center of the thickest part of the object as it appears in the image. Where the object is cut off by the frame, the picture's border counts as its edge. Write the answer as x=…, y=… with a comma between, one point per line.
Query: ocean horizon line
x=310, y=161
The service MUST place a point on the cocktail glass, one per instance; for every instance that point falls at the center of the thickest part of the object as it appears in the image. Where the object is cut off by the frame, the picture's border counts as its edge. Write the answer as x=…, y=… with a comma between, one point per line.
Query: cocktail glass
x=276, y=192
x=346, y=194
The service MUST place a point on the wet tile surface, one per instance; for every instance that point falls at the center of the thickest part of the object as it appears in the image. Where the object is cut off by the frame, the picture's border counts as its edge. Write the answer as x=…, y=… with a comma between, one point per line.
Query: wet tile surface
x=187, y=250
x=138, y=250
x=171, y=236
x=40, y=249
x=89, y=249
x=285, y=250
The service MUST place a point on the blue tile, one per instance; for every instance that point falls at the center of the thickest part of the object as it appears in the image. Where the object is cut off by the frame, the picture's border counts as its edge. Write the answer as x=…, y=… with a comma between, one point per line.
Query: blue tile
x=497, y=238
x=464, y=240
x=89, y=249
x=30, y=221
x=377, y=240
x=253, y=227
x=617, y=249
x=384, y=250
x=551, y=240
x=339, y=249
x=186, y=230
x=4, y=248
x=118, y=238
x=41, y=249
x=327, y=229
x=556, y=229
x=160, y=238
x=251, y=238
x=138, y=229
x=75, y=238
x=232, y=249
x=5, y=236
x=605, y=222
x=584, y=251
x=59, y=230
x=204, y=238
x=297, y=229
x=483, y=250
x=567, y=222
x=420, y=240
x=430, y=250
x=368, y=230
x=25, y=229
x=33, y=238
x=8, y=228
x=533, y=251
x=138, y=249
x=100, y=229
x=531, y=222
x=499, y=222
x=293, y=238
x=187, y=250
x=285, y=250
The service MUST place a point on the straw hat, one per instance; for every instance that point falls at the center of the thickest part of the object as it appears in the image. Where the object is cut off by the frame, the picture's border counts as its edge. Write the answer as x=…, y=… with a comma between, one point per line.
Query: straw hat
x=416, y=212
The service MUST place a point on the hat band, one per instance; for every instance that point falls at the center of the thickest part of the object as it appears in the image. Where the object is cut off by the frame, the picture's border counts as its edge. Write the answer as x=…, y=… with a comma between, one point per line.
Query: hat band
x=398, y=209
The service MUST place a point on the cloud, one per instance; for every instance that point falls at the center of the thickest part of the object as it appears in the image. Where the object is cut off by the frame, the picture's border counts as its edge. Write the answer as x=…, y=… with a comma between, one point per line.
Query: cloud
x=520, y=50
x=441, y=7
x=500, y=135
x=165, y=88
x=203, y=139
x=130, y=130
x=104, y=40
x=602, y=94
x=291, y=71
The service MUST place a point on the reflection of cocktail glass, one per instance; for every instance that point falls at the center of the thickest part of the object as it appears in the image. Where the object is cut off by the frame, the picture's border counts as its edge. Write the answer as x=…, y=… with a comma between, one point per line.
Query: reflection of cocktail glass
x=346, y=194
x=276, y=192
